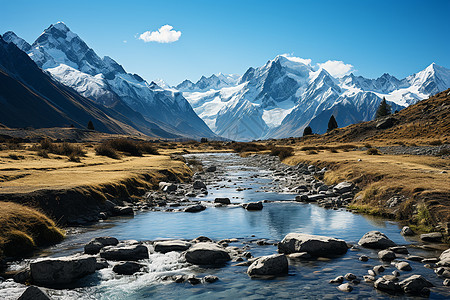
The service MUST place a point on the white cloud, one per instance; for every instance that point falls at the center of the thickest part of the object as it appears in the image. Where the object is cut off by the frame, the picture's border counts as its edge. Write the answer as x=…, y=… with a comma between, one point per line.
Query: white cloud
x=336, y=68
x=165, y=34
x=125, y=41
x=305, y=61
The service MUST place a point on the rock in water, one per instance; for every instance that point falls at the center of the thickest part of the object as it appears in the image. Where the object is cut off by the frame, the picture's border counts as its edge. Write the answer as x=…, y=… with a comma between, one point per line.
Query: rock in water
x=125, y=252
x=210, y=278
x=168, y=246
x=345, y=287
x=199, y=185
x=403, y=266
x=386, y=285
x=276, y=264
x=127, y=268
x=253, y=206
x=34, y=293
x=406, y=231
x=434, y=237
x=386, y=255
x=376, y=240
x=211, y=169
x=225, y=201
x=62, y=270
x=415, y=285
x=315, y=245
x=207, y=254
x=195, y=208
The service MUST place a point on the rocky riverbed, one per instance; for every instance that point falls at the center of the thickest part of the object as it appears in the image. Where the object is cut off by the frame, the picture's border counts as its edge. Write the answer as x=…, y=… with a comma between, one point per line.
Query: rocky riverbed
x=239, y=223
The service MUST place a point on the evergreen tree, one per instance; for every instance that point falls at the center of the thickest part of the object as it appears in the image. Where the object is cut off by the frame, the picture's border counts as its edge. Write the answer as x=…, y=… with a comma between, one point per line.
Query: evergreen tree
x=383, y=110
x=307, y=131
x=332, y=124
x=90, y=125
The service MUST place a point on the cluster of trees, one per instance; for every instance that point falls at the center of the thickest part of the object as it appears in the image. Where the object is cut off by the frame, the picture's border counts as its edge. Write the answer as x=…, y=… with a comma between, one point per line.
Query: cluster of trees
x=384, y=109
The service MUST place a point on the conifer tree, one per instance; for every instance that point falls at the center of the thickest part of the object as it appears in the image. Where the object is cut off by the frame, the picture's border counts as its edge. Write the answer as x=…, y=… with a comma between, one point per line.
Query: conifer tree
x=383, y=110
x=90, y=125
x=332, y=124
x=307, y=131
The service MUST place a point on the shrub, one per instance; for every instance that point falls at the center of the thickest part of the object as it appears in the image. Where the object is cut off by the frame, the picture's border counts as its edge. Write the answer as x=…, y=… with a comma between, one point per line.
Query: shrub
x=333, y=150
x=106, y=150
x=435, y=143
x=444, y=152
x=373, y=151
x=307, y=131
x=124, y=145
x=282, y=152
x=367, y=145
x=15, y=156
x=148, y=148
x=43, y=153
x=248, y=147
x=74, y=158
x=66, y=149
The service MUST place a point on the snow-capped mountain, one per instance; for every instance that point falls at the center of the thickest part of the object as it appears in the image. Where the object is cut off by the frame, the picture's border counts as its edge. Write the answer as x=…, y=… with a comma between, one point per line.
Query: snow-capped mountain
x=72, y=62
x=287, y=94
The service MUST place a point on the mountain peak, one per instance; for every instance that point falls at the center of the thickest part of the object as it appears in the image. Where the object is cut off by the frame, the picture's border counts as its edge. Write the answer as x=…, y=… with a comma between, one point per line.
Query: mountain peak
x=59, y=26
x=11, y=37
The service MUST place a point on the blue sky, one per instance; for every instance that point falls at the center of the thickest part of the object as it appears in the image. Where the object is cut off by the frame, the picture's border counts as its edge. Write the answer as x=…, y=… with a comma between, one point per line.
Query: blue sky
x=397, y=37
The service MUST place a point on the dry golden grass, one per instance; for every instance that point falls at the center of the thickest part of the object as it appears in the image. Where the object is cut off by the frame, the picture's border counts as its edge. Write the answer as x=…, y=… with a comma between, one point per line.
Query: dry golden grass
x=22, y=229
x=419, y=178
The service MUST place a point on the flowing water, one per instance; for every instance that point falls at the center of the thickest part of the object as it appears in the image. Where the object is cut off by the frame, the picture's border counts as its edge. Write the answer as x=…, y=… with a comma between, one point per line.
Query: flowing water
x=306, y=279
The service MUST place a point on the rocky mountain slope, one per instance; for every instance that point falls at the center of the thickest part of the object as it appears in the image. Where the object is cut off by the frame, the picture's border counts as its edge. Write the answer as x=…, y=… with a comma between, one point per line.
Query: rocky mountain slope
x=148, y=107
x=285, y=95
x=31, y=98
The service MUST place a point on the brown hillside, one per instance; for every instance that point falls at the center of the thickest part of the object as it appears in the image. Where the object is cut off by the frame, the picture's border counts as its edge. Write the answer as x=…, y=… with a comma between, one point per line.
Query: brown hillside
x=427, y=120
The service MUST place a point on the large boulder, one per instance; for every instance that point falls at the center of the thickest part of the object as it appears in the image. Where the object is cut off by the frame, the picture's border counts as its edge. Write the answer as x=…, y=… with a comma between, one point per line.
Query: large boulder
x=62, y=270
x=195, y=208
x=415, y=284
x=407, y=231
x=225, y=201
x=95, y=245
x=34, y=293
x=127, y=268
x=253, y=206
x=207, y=254
x=199, y=185
x=386, y=255
x=376, y=240
x=125, y=252
x=343, y=187
x=174, y=245
x=211, y=169
x=386, y=285
x=433, y=237
x=314, y=245
x=276, y=264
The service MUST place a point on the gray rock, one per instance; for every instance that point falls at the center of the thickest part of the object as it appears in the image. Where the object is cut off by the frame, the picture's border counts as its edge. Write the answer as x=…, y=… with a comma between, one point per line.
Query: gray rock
x=22, y=276
x=343, y=187
x=403, y=266
x=363, y=258
x=446, y=282
x=253, y=205
x=199, y=185
x=445, y=255
x=210, y=278
x=127, y=268
x=201, y=239
x=225, y=201
x=386, y=255
x=345, y=287
x=339, y=279
x=211, y=169
x=434, y=237
x=34, y=293
x=415, y=284
x=125, y=252
x=207, y=254
x=101, y=263
x=406, y=231
x=376, y=240
x=350, y=276
x=315, y=245
x=299, y=255
x=386, y=285
x=174, y=245
x=62, y=270
x=414, y=258
x=396, y=273
x=399, y=249
x=93, y=247
x=378, y=269
x=386, y=123
x=369, y=278
x=276, y=264
x=195, y=208
x=123, y=211
x=192, y=279
x=301, y=198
